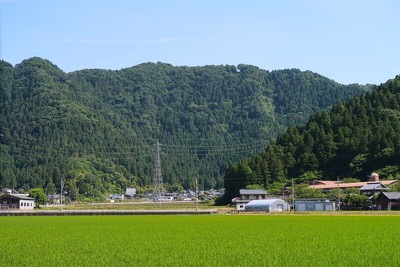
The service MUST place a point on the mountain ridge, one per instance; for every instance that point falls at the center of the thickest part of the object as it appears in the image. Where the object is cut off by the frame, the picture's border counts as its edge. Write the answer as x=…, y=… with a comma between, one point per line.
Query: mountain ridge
x=352, y=140
x=97, y=128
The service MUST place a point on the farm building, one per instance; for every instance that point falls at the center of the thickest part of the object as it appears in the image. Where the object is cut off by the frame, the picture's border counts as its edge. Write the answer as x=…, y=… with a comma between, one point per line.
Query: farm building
x=268, y=205
x=247, y=195
x=388, y=201
x=314, y=205
x=130, y=192
x=16, y=201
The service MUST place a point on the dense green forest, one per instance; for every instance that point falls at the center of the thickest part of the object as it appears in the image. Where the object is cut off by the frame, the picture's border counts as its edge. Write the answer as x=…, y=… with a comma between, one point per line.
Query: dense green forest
x=97, y=129
x=351, y=141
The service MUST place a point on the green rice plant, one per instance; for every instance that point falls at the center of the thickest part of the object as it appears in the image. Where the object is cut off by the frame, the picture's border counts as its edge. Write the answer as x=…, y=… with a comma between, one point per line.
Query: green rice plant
x=190, y=240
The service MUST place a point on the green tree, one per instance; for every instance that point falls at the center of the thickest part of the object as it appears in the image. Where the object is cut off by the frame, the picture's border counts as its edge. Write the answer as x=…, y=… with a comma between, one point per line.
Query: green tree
x=304, y=191
x=50, y=188
x=39, y=196
x=102, y=124
x=254, y=186
x=356, y=202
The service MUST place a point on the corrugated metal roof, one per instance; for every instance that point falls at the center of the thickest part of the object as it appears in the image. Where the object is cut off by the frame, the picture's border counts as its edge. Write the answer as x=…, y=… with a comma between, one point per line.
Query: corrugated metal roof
x=252, y=192
x=373, y=186
x=17, y=196
x=392, y=195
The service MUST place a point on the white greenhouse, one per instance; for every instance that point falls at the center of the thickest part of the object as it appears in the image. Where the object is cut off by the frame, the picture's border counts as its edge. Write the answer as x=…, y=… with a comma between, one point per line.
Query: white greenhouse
x=268, y=205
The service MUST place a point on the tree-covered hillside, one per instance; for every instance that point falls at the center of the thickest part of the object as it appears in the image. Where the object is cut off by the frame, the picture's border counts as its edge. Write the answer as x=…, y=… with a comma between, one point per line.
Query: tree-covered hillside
x=97, y=129
x=352, y=140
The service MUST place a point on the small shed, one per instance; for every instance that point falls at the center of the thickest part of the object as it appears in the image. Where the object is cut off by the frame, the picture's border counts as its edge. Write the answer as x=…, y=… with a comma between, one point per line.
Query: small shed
x=130, y=192
x=16, y=201
x=268, y=205
x=388, y=201
x=314, y=205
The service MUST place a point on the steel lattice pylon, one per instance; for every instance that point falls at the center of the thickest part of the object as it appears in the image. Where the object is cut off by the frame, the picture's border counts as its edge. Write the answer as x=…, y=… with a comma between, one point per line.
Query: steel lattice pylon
x=157, y=179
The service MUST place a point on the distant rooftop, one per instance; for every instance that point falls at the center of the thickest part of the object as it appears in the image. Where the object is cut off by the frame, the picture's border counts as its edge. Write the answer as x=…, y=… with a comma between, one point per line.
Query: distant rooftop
x=252, y=192
x=320, y=184
x=392, y=195
x=374, y=186
x=18, y=196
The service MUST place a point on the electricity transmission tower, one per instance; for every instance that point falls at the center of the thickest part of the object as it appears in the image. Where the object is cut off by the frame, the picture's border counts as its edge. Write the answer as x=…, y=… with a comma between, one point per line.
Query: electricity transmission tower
x=157, y=179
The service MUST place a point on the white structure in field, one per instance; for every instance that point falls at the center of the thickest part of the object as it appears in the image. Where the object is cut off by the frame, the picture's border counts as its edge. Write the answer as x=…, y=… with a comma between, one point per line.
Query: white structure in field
x=267, y=205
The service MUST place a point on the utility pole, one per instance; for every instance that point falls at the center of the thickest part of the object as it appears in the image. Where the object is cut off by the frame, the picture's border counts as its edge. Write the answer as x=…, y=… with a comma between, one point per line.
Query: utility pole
x=338, y=181
x=197, y=195
x=292, y=195
x=157, y=179
x=61, y=192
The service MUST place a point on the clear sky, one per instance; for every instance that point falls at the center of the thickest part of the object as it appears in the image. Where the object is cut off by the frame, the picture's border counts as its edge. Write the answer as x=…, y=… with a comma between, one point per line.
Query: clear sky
x=350, y=41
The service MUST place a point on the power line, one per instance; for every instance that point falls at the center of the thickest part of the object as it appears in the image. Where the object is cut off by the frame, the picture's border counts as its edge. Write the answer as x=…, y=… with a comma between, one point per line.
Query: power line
x=201, y=150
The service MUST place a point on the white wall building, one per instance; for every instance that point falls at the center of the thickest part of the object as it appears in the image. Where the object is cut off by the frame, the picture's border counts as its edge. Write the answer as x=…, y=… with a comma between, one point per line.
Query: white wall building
x=16, y=201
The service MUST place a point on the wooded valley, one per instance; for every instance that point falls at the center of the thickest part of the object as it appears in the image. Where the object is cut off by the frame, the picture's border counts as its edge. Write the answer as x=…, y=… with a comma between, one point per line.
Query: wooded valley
x=97, y=129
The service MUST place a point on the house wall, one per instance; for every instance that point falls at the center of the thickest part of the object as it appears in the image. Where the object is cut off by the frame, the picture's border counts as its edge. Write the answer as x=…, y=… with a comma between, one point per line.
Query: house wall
x=240, y=206
x=314, y=206
x=383, y=203
x=395, y=206
x=26, y=204
x=9, y=203
x=252, y=197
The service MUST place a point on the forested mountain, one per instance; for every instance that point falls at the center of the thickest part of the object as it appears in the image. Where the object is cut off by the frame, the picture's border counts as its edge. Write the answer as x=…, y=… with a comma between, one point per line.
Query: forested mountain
x=351, y=141
x=97, y=129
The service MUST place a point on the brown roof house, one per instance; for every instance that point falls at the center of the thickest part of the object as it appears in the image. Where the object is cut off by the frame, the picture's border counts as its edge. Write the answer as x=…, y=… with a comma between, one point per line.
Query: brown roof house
x=388, y=201
x=368, y=186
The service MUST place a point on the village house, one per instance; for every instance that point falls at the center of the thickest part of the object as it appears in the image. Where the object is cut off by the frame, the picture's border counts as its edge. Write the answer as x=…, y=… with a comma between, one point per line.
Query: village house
x=247, y=195
x=53, y=199
x=373, y=188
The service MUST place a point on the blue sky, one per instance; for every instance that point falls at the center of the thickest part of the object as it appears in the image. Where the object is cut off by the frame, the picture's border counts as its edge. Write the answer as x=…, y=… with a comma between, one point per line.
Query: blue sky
x=350, y=41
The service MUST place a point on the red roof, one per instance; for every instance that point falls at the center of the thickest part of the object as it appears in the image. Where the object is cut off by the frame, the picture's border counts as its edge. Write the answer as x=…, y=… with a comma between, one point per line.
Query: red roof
x=334, y=184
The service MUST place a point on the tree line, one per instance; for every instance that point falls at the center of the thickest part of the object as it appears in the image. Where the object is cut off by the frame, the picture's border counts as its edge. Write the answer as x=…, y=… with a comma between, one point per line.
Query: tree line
x=352, y=140
x=97, y=129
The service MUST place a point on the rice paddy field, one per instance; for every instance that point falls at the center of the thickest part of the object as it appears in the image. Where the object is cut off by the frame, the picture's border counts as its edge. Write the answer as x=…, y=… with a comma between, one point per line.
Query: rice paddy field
x=197, y=240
